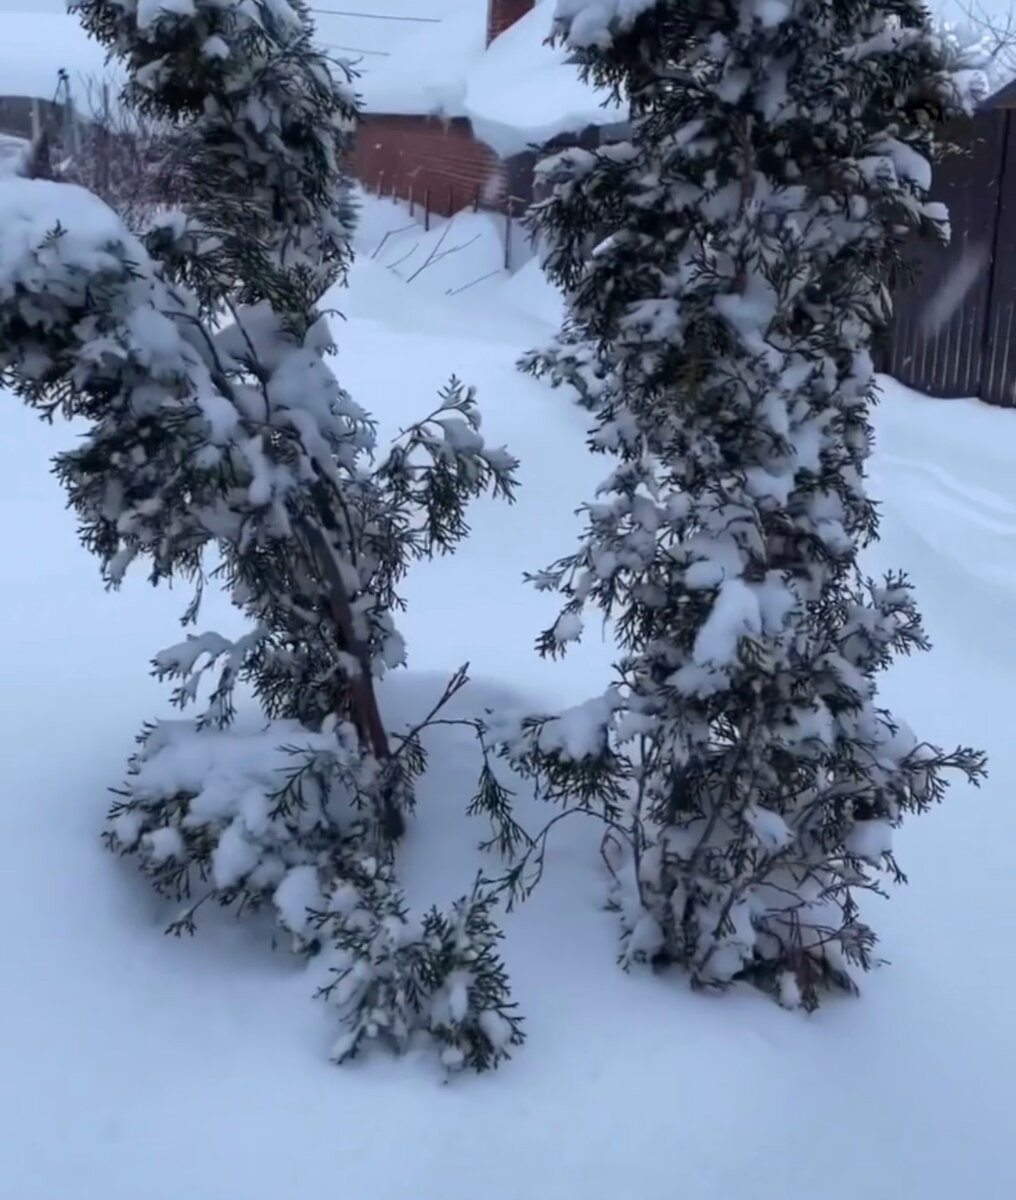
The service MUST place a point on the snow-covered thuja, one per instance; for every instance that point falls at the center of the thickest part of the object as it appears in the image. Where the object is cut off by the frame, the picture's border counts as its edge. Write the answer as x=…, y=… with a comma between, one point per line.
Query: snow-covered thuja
x=442, y=977
x=569, y=359
x=731, y=263
x=264, y=127
x=220, y=448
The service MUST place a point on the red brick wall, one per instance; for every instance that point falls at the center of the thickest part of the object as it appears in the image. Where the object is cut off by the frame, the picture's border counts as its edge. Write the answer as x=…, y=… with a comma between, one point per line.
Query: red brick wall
x=502, y=13
x=413, y=155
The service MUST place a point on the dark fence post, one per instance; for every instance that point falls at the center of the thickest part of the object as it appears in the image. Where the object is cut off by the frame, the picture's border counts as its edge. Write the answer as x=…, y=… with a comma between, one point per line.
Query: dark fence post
x=986, y=358
x=508, y=213
x=954, y=309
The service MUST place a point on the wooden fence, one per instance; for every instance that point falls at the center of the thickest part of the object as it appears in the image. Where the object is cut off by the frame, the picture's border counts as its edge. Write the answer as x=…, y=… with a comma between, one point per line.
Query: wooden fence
x=954, y=332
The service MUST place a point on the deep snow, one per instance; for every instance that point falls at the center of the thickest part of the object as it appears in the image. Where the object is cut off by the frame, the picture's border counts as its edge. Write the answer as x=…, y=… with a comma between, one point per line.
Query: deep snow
x=140, y=1066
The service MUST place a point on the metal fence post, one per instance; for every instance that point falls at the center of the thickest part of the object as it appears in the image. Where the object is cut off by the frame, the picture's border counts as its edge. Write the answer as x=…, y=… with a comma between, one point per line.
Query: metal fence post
x=508, y=212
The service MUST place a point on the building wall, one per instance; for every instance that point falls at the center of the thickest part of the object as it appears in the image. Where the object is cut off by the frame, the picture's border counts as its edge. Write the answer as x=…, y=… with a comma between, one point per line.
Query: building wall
x=419, y=157
x=441, y=162
x=503, y=13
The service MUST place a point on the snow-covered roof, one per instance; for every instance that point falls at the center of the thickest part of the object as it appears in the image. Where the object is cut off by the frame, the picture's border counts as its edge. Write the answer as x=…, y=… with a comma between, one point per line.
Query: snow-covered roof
x=430, y=57
x=523, y=92
x=35, y=45
x=412, y=55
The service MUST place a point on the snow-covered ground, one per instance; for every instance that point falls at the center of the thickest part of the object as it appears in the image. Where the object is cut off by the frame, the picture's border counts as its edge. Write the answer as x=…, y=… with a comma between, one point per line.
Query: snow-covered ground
x=135, y=1067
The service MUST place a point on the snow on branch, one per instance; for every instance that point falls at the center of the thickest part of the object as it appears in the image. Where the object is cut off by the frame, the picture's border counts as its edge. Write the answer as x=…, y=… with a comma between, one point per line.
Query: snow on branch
x=219, y=445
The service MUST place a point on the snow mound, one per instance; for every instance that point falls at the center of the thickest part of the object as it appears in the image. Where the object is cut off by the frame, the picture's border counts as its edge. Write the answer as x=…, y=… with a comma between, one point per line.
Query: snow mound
x=31, y=209
x=529, y=291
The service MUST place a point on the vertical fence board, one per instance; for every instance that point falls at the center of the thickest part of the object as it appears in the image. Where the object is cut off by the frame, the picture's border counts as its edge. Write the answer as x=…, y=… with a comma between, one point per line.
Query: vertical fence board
x=958, y=357
x=998, y=385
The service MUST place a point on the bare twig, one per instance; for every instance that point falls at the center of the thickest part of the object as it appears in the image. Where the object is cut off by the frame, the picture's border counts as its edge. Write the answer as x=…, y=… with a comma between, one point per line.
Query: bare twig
x=999, y=34
x=437, y=247
x=455, y=685
x=123, y=156
x=466, y=286
x=392, y=233
x=438, y=257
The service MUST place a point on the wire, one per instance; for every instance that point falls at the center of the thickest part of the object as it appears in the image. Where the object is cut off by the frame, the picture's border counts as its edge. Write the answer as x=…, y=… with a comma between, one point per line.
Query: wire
x=338, y=12
x=358, y=50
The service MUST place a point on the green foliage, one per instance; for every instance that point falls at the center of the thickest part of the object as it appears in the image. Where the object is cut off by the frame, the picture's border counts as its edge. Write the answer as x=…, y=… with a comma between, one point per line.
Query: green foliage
x=394, y=981
x=220, y=449
x=728, y=268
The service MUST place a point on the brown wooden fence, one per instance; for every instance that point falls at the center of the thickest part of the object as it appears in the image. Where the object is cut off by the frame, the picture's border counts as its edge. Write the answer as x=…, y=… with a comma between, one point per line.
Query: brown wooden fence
x=954, y=332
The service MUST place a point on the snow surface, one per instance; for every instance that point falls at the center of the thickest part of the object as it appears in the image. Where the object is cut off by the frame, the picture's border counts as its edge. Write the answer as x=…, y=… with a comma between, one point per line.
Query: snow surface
x=140, y=1066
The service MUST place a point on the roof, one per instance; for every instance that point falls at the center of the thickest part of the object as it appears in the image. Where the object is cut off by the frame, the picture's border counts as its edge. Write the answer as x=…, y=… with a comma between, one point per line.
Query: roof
x=429, y=57
x=412, y=55
x=523, y=92
x=1004, y=98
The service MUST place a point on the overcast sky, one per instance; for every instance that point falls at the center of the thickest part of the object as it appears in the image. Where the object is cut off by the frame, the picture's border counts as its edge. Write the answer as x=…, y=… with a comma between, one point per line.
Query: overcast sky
x=956, y=10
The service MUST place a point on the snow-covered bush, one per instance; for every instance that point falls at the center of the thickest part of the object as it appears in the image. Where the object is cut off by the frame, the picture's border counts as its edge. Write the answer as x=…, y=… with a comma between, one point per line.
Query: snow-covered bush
x=393, y=979
x=730, y=265
x=266, y=818
x=221, y=448
x=571, y=360
x=239, y=816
